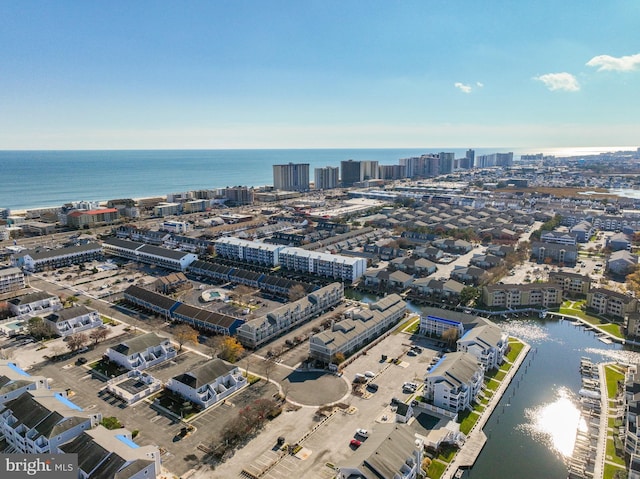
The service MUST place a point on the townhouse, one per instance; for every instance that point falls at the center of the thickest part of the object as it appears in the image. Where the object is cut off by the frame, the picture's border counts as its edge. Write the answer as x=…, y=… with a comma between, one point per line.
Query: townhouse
x=41, y=259
x=33, y=304
x=258, y=331
x=362, y=325
x=144, y=253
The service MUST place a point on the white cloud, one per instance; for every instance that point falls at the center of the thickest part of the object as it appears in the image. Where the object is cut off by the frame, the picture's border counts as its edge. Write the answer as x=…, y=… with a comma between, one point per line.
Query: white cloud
x=559, y=81
x=479, y=84
x=462, y=87
x=620, y=64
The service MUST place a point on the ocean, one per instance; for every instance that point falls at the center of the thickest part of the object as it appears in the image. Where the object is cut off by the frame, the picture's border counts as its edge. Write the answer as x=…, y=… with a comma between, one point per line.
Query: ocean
x=34, y=179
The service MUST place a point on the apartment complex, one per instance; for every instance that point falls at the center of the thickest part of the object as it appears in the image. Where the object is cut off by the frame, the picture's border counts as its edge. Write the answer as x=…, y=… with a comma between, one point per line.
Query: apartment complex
x=249, y=251
x=454, y=382
x=82, y=219
x=573, y=284
x=11, y=279
x=163, y=257
x=326, y=178
x=611, y=303
x=41, y=259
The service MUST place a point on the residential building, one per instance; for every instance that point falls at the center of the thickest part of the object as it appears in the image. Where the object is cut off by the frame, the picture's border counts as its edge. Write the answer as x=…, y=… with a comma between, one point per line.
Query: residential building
x=470, y=276
x=239, y=195
x=417, y=266
x=133, y=386
x=104, y=453
x=172, y=226
x=392, y=451
x=514, y=296
x=142, y=352
x=632, y=420
x=83, y=219
x=209, y=383
x=14, y=381
x=327, y=265
x=553, y=252
x=443, y=289
x=349, y=173
x=172, y=282
x=454, y=382
x=485, y=261
x=326, y=178
x=362, y=325
x=435, y=321
x=249, y=251
x=611, y=303
x=487, y=342
x=392, y=172
x=41, y=259
x=144, y=253
x=39, y=421
x=621, y=263
x=261, y=330
x=559, y=237
x=572, y=284
x=34, y=304
x=291, y=177
x=65, y=322
x=11, y=279
x=166, y=209
x=583, y=230
x=619, y=241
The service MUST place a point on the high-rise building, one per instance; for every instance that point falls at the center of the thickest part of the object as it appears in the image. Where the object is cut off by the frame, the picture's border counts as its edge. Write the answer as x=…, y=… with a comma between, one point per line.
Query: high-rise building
x=446, y=163
x=349, y=172
x=326, y=178
x=291, y=177
x=368, y=170
x=422, y=166
x=494, y=159
x=239, y=195
x=392, y=172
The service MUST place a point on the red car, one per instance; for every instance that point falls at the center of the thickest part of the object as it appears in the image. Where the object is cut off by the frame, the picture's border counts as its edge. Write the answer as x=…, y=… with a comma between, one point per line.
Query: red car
x=355, y=443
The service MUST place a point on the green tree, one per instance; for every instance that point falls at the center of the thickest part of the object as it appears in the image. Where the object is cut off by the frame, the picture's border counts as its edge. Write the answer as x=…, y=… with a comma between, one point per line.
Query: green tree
x=469, y=294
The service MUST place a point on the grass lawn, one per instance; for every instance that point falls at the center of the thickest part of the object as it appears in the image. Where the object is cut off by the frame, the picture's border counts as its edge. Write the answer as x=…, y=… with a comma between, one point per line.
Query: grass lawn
x=613, y=329
x=611, y=453
x=447, y=454
x=613, y=376
x=610, y=471
x=467, y=420
x=436, y=469
x=491, y=385
x=514, y=349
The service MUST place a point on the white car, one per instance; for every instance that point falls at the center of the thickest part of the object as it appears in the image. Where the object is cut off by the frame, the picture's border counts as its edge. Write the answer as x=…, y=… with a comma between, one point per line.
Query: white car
x=369, y=374
x=362, y=432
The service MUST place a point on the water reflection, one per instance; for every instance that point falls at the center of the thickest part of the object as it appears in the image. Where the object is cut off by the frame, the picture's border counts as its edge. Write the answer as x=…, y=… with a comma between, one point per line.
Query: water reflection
x=556, y=424
x=531, y=331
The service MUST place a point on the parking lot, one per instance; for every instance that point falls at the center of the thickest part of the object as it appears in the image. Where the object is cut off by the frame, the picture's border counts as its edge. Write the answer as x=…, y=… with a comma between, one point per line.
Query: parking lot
x=366, y=412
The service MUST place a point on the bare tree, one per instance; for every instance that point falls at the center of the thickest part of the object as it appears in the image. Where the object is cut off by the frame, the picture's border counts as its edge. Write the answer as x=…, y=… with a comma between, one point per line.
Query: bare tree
x=77, y=341
x=268, y=365
x=98, y=334
x=450, y=336
x=296, y=292
x=215, y=345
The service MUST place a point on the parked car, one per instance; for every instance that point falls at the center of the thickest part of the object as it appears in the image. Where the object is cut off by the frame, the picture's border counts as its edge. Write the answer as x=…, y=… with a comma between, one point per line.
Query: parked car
x=355, y=443
x=369, y=374
x=372, y=387
x=362, y=432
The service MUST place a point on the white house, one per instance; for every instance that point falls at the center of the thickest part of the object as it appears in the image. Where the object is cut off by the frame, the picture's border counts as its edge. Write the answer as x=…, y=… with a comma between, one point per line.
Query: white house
x=75, y=319
x=34, y=304
x=142, y=351
x=11, y=279
x=487, y=342
x=454, y=382
x=14, y=381
x=38, y=422
x=209, y=383
x=112, y=453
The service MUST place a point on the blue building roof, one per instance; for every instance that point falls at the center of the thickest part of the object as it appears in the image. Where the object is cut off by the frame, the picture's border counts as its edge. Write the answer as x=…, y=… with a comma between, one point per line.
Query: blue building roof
x=17, y=369
x=60, y=397
x=127, y=441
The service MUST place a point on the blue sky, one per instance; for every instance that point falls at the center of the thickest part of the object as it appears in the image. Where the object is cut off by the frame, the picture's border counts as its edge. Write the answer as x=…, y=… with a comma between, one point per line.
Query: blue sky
x=318, y=74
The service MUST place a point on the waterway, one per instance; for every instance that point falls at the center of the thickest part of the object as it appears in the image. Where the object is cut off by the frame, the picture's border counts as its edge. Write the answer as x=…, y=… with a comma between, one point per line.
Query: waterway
x=533, y=428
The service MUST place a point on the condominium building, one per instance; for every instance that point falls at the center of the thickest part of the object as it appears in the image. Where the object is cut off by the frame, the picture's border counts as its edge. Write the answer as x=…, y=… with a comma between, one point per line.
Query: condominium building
x=512, y=296
x=40, y=259
x=11, y=279
x=163, y=257
x=487, y=342
x=291, y=177
x=39, y=421
x=33, y=304
x=361, y=326
x=75, y=319
x=239, y=195
x=326, y=178
x=334, y=266
x=14, y=381
x=250, y=251
x=573, y=284
x=611, y=303
x=104, y=453
x=89, y=219
x=142, y=352
x=258, y=331
x=454, y=382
